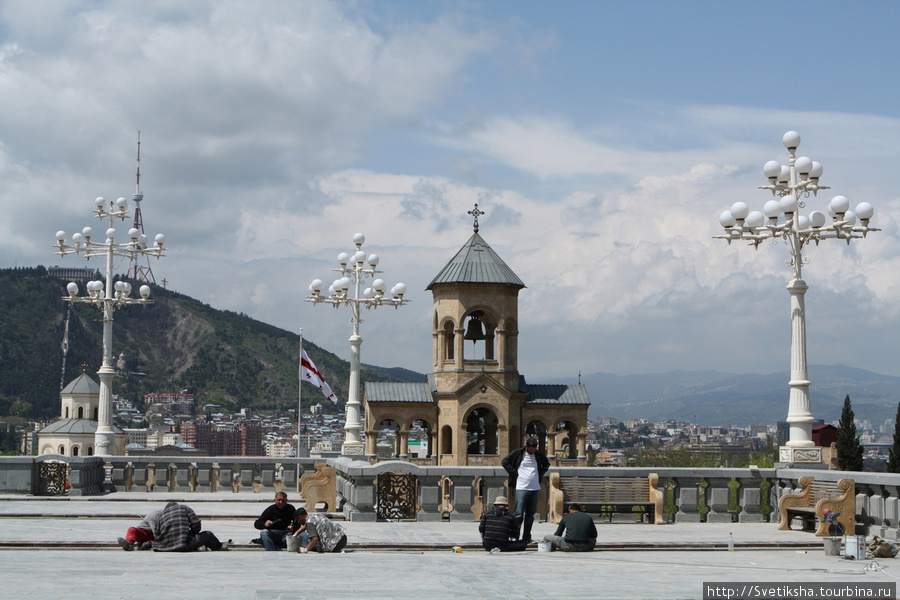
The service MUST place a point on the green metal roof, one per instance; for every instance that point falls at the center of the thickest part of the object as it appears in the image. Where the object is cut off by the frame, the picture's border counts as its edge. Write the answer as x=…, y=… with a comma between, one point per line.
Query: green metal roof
x=557, y=394
x=382, y=391
x=476, y=262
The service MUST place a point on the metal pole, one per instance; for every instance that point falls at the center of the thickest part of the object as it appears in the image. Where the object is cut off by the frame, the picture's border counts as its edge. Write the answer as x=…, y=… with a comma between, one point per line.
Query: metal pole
x=299, y=403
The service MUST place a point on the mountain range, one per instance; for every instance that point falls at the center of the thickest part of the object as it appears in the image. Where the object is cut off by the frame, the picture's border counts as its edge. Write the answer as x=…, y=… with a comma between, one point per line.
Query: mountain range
x=176, y=343
x=714, y=398
x=230, y=359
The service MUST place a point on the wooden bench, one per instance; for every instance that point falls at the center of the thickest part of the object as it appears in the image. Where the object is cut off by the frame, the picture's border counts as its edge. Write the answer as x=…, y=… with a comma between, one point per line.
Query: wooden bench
x=814, y=498
x=607, y=495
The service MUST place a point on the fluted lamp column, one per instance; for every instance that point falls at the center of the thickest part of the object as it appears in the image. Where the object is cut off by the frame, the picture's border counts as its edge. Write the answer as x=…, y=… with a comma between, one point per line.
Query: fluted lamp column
x=354, y=270
x=781, y=219
x=108, y=296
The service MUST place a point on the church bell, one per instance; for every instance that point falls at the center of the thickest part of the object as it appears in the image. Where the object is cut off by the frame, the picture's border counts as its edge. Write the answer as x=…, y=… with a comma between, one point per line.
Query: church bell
x=474, y=330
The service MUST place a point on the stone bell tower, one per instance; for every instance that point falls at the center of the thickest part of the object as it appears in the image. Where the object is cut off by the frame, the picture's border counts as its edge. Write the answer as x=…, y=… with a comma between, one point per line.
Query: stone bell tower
x=475, y=406
x=476, y=374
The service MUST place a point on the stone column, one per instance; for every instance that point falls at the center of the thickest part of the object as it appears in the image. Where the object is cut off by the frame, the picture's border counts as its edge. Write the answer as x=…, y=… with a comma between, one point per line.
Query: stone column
x=371, y=443
x=403, y=443
x=459, y=348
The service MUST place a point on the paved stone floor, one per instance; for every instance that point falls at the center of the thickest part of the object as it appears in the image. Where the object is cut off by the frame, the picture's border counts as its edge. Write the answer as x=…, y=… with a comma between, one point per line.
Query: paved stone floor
x=75, y=557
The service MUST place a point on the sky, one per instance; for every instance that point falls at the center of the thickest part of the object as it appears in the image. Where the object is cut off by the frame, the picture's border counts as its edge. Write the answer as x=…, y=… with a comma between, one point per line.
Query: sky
x=601, y=139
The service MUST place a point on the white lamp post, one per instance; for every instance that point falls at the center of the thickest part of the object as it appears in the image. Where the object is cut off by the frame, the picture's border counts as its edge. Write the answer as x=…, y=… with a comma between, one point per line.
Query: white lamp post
x=353, y=270
x=108, y=297
x=781, y=219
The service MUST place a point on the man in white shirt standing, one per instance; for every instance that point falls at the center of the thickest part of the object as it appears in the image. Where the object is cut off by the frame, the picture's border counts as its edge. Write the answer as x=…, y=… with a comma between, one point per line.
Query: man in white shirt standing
x=526, y=467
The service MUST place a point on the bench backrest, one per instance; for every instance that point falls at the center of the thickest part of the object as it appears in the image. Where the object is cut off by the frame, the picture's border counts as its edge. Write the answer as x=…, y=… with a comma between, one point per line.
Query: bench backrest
x=814, y=490
x=606, y=489
x=823, y=489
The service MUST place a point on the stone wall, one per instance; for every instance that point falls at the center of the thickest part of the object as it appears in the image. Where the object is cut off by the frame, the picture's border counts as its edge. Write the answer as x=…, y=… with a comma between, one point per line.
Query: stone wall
x=459, y=493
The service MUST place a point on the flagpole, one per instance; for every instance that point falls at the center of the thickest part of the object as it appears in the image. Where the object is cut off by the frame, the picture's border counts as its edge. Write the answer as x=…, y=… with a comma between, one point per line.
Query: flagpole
x=299, y=403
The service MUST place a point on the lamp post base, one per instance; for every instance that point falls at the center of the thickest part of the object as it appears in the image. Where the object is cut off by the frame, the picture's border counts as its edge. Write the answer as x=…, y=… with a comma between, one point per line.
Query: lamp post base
x=805, y=455
x=352, y=449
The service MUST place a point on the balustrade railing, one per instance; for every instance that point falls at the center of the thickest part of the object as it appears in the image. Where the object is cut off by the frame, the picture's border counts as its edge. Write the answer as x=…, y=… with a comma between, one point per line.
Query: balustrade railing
x=457, y=493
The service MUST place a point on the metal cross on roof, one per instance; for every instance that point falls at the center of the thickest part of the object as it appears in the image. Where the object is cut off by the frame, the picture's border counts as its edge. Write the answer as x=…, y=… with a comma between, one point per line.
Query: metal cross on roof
x=476, y=213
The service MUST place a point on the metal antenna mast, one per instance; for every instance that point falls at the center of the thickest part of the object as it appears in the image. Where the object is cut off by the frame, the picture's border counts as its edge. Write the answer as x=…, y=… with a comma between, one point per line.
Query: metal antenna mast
x=136, y=271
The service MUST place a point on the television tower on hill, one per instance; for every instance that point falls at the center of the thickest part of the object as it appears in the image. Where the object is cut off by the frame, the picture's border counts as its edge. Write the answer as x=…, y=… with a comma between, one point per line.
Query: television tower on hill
x=136, y=271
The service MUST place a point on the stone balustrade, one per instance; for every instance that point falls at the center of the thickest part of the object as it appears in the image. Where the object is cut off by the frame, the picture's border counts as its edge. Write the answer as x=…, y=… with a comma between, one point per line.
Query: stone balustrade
x=457, y=493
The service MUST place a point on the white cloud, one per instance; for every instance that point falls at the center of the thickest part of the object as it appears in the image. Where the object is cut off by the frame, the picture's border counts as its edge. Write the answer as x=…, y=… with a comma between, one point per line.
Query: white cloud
x=258, y=124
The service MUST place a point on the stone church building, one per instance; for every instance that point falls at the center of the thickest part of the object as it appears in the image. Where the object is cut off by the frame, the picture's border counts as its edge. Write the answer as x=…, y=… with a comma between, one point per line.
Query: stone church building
x=475, y=407
x=73, y=433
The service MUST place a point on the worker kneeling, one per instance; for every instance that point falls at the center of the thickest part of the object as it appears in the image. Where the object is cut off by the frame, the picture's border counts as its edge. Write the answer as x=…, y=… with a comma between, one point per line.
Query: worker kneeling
x=315, y=533
x=580, y=532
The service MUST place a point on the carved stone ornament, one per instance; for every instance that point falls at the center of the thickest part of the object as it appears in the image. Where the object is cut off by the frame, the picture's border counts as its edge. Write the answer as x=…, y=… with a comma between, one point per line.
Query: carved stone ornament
x=807, y=455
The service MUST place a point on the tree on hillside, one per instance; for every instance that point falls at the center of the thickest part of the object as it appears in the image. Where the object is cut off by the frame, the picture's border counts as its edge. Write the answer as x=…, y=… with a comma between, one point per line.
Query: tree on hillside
x=893, y=464
x=850, y=451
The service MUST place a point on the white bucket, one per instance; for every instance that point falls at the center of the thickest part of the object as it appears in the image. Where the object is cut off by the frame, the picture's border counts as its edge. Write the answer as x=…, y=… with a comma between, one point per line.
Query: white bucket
x=832, y=546
x=855, y=546
x=545, y=546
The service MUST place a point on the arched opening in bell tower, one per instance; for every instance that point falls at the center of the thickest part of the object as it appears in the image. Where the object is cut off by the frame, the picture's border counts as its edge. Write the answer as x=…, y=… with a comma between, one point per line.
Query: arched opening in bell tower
x=388, y=439
x=480, y=331
x=449, y=341
x=420, y=432
x=567, y=439
x=446, y=441
x=482, y=432
x=537, y=430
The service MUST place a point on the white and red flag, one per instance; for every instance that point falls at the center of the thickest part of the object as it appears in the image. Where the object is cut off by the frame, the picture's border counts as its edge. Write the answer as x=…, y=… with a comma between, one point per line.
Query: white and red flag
x=310, y=373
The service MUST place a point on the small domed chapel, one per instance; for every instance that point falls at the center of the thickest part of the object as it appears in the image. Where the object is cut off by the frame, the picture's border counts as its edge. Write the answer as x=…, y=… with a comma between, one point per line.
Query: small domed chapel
x=73, y=434
x=475, y=407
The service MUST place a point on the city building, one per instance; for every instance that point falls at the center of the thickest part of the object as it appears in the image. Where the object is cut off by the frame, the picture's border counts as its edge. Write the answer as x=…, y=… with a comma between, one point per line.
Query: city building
x=243, y=439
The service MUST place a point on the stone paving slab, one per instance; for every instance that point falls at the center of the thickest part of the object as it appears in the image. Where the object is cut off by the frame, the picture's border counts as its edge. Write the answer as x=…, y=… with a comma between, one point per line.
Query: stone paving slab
x=101, y=575
x=630, y=563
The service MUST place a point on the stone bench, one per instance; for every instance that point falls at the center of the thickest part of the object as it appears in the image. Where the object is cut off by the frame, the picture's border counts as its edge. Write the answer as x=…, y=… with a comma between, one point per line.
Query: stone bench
x=320, y=488
x=814, y=498
x=607, y=495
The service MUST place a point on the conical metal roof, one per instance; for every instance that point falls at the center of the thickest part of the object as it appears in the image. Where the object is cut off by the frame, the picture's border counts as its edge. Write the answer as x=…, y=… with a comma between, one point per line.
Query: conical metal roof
x=82, y=384
x=476, y=262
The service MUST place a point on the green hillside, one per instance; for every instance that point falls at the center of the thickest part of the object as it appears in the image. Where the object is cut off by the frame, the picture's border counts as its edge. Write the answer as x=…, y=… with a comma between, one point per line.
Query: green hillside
x=179, y=343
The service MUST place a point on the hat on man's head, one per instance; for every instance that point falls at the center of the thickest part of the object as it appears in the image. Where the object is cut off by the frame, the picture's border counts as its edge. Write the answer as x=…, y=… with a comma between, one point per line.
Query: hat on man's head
x=501, y=500
x=531, y=442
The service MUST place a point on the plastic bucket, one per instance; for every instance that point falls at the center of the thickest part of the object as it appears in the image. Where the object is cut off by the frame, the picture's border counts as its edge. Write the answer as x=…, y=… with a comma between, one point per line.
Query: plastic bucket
x=832, y=546
x=855, y=546
x=545, y=547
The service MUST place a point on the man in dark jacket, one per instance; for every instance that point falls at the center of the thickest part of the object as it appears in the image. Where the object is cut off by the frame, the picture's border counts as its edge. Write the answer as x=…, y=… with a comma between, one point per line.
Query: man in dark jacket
x=526, y=467
x=275, y=522
x=179, y=531
x=497, y=526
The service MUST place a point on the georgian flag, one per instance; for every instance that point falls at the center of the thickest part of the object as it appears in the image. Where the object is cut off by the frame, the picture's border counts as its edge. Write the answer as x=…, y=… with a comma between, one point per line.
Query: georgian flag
x=310, y=373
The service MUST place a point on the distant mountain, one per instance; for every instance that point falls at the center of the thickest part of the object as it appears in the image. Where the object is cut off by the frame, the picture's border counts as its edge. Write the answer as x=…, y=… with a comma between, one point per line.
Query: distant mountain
x=177, y=342
x=714, y=398
x=397, y=374
x=230, y=359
